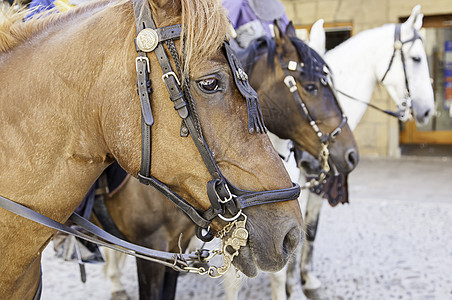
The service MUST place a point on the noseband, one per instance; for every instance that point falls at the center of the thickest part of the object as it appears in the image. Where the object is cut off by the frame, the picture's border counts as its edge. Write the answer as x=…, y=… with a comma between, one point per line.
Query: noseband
x=404, y=109
x=227, y=201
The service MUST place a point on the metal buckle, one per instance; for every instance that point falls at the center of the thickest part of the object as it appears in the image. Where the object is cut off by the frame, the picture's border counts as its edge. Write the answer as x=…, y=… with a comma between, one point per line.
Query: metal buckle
x=290, y=83
x=228, y=199
x=166, y=75
x=143, y=58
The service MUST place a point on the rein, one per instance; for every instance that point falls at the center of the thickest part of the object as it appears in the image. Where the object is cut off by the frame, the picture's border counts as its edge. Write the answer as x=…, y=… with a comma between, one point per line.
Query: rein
x=404, y=109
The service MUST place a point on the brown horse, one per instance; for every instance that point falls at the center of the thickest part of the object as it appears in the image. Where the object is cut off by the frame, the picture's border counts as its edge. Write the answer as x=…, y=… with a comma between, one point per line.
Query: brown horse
x=282, y=116
x=69, y=107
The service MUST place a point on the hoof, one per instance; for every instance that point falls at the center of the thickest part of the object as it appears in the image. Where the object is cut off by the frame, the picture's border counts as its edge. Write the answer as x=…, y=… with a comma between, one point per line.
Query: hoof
x=120, y=295
x=317, y=294
x=312, y=287
x=311, y=282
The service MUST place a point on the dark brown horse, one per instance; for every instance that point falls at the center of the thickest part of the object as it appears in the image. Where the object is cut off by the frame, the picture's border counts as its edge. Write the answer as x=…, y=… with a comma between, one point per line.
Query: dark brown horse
x=69, y=108
x=263, y=62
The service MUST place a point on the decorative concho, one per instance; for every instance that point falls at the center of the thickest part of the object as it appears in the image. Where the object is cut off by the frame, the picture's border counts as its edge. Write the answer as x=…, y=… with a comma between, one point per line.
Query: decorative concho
x=147, y=40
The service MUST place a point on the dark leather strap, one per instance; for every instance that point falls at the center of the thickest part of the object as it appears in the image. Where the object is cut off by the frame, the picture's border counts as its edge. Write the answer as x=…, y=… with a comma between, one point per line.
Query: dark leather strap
x=398, y=47
x=186, y=207
x=257, y=198
x=176, y=261
x=385, y=111
x=292, y=86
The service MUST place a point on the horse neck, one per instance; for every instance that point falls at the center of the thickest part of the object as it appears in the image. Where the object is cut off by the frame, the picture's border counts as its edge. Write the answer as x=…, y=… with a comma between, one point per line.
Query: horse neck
x=354, y=66
x=52, y=146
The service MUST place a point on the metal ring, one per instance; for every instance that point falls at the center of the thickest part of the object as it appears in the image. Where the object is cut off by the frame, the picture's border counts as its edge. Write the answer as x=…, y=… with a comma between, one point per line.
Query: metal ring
x=230, y=219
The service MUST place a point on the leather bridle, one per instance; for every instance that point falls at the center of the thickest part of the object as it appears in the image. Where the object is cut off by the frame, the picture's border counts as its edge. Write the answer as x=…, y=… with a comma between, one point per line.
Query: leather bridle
x=225, y=198
x=323, y=75
x=403, y=112
x=404, y=108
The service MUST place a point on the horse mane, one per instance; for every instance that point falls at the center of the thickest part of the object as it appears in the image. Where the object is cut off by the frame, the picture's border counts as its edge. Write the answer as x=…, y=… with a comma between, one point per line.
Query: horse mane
x=204, y=27
x=13, y=29
x=313, y=62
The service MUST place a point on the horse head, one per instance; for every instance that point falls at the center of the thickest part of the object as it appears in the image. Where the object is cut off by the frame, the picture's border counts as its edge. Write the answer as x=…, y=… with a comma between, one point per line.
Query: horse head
x=297, y=101
x=248, y=161
x=408, y=77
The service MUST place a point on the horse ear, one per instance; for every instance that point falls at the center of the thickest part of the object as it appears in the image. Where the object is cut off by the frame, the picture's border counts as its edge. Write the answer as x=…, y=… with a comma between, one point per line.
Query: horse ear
x=418, y=22
x=412, y=19
x=290, y=30
x=317, y=37
x=278, y=34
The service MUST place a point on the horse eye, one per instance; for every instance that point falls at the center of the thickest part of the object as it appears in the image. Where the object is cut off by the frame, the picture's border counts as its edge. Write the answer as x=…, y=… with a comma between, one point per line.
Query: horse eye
x=416, y=59
x=209, y=85
x=310, y=88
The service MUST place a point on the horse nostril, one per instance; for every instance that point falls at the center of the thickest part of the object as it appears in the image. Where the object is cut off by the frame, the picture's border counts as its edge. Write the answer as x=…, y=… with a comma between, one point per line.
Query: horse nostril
x=352, y=158
x=291, y=240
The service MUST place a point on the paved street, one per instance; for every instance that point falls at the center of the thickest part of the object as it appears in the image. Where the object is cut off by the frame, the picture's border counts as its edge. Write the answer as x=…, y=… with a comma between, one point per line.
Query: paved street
x=393, y=241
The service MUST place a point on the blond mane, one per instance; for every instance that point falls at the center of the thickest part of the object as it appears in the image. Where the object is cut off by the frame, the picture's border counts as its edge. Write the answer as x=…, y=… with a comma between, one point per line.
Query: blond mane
x=204, y=26
x=13, y=30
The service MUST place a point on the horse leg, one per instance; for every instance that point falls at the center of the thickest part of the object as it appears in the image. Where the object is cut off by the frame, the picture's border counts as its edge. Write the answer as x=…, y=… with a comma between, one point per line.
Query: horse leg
x=278, y=284
x=310, y=282
x=114, y=261
x=151, y=277
x=231, y=284
x=170, y=284
x=293, y=278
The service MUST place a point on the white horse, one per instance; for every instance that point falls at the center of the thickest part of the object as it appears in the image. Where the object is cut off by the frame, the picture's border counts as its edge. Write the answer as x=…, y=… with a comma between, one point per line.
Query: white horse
x=358, y=65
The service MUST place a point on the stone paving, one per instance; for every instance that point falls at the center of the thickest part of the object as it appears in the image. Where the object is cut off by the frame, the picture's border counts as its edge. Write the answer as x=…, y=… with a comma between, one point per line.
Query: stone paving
x=394, y=241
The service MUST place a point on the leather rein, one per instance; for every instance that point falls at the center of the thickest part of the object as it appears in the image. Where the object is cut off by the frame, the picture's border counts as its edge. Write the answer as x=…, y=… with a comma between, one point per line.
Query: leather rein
x=404, y=109
x=227, y=201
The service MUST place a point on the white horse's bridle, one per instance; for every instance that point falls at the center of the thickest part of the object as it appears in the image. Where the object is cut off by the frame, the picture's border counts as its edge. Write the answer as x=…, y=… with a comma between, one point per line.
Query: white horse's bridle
x=403, y=112
x=404, y=108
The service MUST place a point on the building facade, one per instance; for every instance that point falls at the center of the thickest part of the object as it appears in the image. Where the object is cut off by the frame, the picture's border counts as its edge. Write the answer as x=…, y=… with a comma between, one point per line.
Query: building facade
x=378, y=134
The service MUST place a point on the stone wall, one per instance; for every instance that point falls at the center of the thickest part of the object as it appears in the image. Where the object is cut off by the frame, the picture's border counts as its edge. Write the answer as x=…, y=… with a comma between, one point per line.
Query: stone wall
x=377, y=134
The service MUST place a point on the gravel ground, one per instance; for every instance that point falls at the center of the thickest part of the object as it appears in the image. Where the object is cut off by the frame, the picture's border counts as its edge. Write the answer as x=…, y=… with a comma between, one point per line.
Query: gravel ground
x=394, y=241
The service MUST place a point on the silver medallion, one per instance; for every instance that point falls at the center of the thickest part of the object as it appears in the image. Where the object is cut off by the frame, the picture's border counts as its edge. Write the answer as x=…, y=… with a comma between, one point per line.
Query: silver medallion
x=147, y=40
